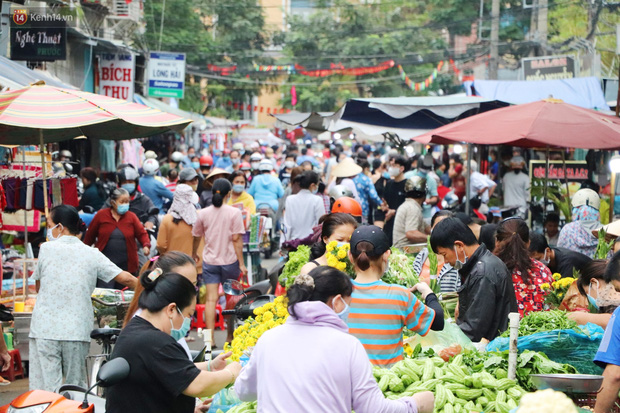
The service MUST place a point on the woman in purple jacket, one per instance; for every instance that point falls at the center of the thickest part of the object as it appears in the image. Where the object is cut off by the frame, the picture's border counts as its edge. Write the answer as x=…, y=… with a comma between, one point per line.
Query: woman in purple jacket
x=314, y=346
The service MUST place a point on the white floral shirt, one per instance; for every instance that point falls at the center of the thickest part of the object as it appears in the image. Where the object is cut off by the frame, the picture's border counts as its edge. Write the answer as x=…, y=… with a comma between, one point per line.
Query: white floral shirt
x=68, y=271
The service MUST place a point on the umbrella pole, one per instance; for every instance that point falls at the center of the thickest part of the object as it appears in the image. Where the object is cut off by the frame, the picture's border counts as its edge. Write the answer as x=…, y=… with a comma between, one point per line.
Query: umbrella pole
x=468, y=181
x=25, y=212
x=565, y=177
x=546, y=183
x=42, y=152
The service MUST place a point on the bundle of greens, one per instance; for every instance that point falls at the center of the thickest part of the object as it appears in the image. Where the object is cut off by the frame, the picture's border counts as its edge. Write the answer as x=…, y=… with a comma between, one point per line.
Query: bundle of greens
x=296, y=260
x=603, y=247
x=400, y=270
x=542, y=321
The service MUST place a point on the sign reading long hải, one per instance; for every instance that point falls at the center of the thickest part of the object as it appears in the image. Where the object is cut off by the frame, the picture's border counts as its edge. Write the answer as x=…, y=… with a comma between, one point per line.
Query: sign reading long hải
x=166, y=75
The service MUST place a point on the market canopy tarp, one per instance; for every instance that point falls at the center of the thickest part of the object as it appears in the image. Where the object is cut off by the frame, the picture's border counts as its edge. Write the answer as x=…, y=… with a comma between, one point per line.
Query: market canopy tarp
x=42, y=113
x=407, y=117
x=309, y=120
x=548, y=122
x=15, y=76
x=581, y=91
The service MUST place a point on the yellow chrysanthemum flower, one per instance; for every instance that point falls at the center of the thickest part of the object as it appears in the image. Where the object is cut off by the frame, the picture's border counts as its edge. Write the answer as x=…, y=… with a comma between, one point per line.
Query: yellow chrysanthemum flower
x=556, y=276
x=332, y=261
x=342, y=254
x=330, y=246
x=342, y=266
x=545, y=286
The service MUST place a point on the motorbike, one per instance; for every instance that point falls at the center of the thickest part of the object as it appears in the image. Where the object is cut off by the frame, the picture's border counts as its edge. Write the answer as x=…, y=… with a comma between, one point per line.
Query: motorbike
x=67, y=398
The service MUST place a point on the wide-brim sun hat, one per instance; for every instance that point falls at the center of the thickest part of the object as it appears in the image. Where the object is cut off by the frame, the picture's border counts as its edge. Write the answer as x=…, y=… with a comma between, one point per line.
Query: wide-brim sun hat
x=346, y=168
x=217, y=171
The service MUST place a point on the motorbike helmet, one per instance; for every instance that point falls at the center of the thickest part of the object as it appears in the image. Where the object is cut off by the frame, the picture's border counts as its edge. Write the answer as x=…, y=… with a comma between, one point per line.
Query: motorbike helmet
x=238, y=147
x=66, y=154
x=150, y=155
x=416, y=186
x=338, y=191
x=265, y=166
x=127, y=173
x=245, y=166
x=586, y=197
x=347, y=205
x=206, y=160
x=150, y=166
x=176, y=157
x=256, y=157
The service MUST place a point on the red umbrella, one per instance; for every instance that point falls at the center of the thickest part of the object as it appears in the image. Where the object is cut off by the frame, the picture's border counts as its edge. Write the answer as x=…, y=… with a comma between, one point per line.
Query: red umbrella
x=548, y=122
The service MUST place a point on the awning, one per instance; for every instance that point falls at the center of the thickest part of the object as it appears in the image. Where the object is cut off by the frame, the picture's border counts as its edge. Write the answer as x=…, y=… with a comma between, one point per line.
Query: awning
x=308, y=120
x=407, y=117
x=585, y=92
x=14, y=75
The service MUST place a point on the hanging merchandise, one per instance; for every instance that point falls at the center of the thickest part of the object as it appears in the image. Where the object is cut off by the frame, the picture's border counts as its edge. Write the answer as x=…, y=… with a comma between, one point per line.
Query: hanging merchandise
x=420, y=86
x=339, y=69
x=274, y=68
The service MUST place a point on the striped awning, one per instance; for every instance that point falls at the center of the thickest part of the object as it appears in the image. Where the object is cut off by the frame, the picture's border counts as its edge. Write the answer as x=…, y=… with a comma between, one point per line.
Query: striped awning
x=61, y=114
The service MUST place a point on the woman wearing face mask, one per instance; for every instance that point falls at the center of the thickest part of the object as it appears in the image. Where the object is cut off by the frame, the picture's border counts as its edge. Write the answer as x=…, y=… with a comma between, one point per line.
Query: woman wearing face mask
x=239, y=195
x=162, y=378
x=114, y=231
x=380, y=178
x=66, y=275
x=333, y=361
x=175, y=230
x=335, y=227
x=528, y=275
x=303, y=210
x=221, y=227
x=395, y=305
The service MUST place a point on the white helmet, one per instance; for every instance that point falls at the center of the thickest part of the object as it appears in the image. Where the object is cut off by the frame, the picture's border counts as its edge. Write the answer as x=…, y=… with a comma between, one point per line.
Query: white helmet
x=339, y=191
x=176, y=156
x=256, y=157
x=588, y=197
x=265, y=166
x=150, y=166
x=150, y=155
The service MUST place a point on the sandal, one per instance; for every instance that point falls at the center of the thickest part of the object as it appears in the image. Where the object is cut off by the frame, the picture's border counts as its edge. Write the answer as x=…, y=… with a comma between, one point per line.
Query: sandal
x=4, y=382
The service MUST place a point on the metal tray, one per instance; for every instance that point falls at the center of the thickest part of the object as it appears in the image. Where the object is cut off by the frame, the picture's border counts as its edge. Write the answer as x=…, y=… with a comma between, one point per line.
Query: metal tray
x=569, y=383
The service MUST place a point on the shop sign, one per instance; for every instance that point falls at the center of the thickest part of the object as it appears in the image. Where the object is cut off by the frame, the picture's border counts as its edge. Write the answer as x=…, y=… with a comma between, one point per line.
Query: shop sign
x=38, y=37
x=548, y=68
x=166, y=75
x=576, y=172
x=116, y=75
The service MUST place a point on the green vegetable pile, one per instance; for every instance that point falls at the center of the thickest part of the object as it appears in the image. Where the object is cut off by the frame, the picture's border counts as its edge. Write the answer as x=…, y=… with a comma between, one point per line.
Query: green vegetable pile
x=400, y=270
x=542, y=321
x=247, y=407
x=457, y=387
x=528, y=362
x=296, y=260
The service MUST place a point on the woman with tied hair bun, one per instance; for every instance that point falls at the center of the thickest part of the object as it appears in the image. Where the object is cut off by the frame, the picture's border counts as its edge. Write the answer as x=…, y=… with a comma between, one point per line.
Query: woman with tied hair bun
x=334, y=361
x=221, y=226
x=66, y=275
x=162, y=378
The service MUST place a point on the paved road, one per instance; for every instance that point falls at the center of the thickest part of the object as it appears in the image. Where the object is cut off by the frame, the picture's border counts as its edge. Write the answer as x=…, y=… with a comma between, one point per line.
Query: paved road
x=20, y=386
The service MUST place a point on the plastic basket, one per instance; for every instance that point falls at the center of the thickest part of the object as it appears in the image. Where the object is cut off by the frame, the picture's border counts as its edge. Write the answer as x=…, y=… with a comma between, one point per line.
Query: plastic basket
x=589, y=400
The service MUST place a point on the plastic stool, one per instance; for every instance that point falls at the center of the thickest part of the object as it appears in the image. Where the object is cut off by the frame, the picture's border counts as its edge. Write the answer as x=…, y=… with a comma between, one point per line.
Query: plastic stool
x=219, y=319
x=16, y=369
x=199, y=322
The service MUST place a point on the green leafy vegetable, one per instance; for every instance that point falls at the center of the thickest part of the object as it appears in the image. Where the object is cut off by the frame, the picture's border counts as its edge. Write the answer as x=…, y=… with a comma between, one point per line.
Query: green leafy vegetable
x=296, y=260
x=401, y=270
x=603, y=247
x=541, y=321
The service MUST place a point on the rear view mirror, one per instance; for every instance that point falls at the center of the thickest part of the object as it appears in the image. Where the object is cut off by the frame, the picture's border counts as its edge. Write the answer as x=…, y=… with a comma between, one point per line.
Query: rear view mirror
x=233, y=287
x=113, y=372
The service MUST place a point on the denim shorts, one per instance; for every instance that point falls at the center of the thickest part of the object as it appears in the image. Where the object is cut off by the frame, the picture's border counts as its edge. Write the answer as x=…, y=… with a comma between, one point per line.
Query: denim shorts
x=217, y=274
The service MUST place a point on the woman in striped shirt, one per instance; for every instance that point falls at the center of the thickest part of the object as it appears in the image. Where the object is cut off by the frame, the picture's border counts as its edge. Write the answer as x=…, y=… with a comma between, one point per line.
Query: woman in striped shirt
x=380, y=311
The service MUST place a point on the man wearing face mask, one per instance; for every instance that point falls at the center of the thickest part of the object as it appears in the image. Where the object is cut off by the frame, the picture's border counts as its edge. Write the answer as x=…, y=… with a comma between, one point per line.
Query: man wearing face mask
x=517, y=186
x=224, y=161
x=235, y=161
x=487, y=295
x=154, y=189
x=559, y=260
x=140, y=204
x=394, y=191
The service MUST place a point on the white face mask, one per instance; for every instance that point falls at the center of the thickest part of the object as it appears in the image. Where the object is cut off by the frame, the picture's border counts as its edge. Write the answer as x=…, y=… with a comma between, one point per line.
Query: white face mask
x=545, y=260
x=394, y=171
x=458, y=265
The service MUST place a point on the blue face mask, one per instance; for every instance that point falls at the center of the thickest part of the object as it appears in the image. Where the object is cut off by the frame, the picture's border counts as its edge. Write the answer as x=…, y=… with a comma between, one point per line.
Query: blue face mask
x=386, y=175
x=50, y=235
x=238, y=188
x=344, y=314
x=591, y=299
x=341, y=243
x=181, y=332
x=122, y=208
x=315, y=191
x=131, y=188
x=196, y=165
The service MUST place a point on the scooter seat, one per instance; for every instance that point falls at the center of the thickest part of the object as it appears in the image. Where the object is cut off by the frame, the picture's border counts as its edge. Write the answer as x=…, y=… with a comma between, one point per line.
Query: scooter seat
x=101, y=333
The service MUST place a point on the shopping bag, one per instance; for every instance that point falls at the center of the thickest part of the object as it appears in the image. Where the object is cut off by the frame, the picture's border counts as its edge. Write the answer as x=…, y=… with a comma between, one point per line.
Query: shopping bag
x=576, y=347
x=224, y=400
x=450, y=337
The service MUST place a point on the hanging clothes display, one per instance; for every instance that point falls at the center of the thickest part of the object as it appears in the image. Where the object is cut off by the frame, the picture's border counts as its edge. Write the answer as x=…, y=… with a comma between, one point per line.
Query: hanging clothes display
x=107, y=155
